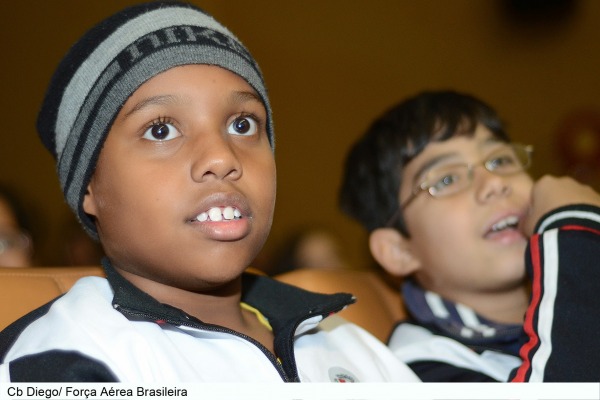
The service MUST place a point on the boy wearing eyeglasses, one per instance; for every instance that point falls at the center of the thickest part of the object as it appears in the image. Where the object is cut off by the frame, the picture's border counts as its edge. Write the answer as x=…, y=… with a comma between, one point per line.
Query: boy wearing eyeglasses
x=450, y=207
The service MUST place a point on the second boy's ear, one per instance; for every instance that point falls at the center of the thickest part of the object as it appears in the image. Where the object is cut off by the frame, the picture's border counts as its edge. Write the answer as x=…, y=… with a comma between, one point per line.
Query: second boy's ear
x=392, y=251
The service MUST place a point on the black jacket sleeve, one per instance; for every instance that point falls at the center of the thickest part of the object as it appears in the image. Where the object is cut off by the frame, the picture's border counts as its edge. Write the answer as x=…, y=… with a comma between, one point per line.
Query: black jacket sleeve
x=563, y=318
x=435, y=371
x=59, y=366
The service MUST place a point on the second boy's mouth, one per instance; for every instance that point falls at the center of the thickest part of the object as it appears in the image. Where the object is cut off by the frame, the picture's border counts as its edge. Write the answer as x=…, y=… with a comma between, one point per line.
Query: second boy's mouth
x=216, y=214
x=506, y=223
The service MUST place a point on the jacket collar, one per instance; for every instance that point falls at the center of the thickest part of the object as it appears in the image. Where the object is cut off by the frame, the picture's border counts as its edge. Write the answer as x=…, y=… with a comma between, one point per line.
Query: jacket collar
x=459, y=321
x=279, y=302
x=290, y=310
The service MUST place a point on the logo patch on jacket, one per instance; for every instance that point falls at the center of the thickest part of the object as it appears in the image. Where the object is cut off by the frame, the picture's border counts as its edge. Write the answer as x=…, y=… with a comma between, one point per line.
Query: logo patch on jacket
x=341, y=375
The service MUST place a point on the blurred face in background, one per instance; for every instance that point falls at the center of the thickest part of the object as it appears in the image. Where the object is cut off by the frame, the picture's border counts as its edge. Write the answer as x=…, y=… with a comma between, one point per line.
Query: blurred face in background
x=15, y=244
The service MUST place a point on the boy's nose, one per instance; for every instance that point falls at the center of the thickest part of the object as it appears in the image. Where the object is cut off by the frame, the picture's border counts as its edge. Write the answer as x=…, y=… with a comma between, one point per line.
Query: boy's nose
x=489, y=185
x=214, y=157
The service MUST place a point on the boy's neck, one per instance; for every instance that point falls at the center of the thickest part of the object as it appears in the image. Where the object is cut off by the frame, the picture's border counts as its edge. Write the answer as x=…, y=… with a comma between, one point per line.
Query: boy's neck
x=217, y=306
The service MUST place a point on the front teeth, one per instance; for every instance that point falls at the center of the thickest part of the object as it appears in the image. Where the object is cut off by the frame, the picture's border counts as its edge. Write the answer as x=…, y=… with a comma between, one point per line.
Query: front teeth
x=220, y=214
x=505, y=223
x=228, y=213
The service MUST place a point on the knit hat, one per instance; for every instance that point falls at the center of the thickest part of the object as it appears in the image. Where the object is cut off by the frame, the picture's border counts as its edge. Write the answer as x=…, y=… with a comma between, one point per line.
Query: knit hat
x=103, y=69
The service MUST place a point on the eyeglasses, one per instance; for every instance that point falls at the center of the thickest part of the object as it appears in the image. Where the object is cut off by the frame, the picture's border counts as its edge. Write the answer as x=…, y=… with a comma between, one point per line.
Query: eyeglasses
x=14, y=241
x=451, y=179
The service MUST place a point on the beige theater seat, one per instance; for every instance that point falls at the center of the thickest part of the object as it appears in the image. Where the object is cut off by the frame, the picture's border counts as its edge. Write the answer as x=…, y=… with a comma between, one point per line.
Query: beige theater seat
x=25, y=289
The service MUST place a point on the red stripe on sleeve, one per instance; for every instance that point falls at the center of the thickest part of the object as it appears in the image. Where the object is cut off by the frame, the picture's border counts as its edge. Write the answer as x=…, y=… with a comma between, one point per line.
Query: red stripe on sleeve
x=535, y=301
x=579, y=228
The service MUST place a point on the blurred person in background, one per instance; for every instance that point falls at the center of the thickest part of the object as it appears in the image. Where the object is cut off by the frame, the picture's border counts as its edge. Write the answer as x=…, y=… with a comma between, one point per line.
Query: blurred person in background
x=16, y=247
x=310, y=247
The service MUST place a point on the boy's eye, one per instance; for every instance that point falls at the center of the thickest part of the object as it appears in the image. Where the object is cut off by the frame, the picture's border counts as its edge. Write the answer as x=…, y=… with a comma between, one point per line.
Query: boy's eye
x=161, y=131
x=442, y=183
x=243, y=125
x=448, y=180
x=501, y=162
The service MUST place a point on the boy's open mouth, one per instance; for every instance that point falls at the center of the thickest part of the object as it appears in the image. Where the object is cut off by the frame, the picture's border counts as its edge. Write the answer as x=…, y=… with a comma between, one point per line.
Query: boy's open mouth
x=216, y=214
x=507, y=223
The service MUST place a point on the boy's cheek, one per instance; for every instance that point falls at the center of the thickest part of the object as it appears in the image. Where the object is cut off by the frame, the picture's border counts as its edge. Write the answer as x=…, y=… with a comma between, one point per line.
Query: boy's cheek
x=524, y=193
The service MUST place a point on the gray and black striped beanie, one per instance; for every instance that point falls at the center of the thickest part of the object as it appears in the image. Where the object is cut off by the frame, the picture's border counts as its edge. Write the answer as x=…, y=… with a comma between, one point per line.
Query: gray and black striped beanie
x=103, y=69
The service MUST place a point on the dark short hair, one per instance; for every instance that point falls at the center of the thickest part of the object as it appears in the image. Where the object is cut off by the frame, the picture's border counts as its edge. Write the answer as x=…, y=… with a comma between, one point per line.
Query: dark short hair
x=373, y=168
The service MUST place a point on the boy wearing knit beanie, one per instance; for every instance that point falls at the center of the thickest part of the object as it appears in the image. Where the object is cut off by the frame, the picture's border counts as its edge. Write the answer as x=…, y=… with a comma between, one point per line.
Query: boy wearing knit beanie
x=161, y=127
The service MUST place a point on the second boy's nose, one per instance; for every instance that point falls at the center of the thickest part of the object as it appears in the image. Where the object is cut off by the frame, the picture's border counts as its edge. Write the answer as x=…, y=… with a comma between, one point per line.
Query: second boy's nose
x=489, y=185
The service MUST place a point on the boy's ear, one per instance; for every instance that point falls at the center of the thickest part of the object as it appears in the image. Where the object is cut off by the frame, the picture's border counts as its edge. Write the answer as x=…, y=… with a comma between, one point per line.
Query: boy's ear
x=392, y=251
x=89, y=201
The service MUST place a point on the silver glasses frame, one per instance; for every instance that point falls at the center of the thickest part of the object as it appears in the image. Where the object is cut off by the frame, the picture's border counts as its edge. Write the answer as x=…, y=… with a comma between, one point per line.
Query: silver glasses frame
x=426, y=186
x=14, y=241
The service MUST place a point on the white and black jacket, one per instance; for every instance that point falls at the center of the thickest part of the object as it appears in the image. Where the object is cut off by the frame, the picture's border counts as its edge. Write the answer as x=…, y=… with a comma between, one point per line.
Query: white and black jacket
x=108, y=330
x=558, y=341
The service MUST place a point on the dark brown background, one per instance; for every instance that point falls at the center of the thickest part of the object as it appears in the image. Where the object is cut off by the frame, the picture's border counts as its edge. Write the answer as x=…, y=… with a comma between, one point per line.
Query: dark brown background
x=331, y=67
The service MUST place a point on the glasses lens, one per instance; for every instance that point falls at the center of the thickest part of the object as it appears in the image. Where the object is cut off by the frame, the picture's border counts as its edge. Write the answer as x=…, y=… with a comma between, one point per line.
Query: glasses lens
x=13, y=241
x=447, y=180
x=509, y=160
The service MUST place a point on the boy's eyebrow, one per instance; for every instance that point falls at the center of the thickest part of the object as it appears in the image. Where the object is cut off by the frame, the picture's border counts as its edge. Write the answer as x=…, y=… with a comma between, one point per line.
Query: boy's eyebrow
x=236, y=97
x=154, y=100
x=490, y=141
x=430, y=164
x=242, y=96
